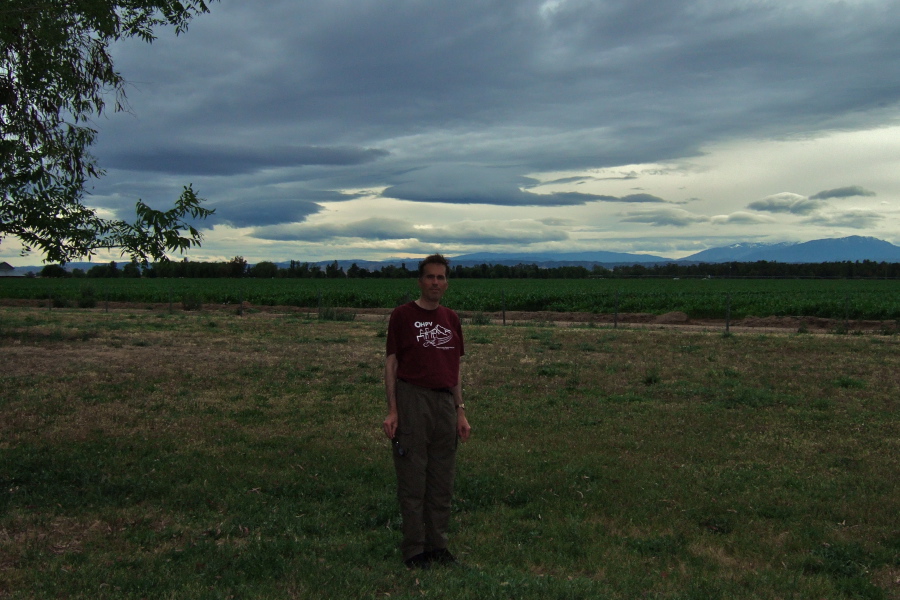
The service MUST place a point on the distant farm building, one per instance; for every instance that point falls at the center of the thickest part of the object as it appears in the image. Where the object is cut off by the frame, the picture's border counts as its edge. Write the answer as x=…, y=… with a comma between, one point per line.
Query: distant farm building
x=6, y=269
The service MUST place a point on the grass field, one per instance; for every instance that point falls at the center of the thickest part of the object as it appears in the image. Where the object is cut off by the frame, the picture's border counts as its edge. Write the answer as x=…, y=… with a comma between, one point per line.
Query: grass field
x=200, y=455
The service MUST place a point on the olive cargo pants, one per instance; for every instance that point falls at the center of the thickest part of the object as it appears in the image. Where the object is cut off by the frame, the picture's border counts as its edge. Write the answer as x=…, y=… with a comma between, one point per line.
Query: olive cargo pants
x=425, y=461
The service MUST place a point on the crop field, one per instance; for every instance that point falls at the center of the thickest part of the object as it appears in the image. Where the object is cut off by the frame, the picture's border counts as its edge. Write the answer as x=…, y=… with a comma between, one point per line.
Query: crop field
x=194, y=455
x=698, y=298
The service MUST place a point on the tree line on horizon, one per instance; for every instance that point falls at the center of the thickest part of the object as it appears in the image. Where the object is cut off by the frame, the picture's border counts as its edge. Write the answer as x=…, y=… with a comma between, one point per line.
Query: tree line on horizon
x=239, y=268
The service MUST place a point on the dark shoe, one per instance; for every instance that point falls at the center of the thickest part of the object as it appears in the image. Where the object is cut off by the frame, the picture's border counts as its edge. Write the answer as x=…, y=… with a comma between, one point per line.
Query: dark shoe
x=441, y=555
x=419, y=561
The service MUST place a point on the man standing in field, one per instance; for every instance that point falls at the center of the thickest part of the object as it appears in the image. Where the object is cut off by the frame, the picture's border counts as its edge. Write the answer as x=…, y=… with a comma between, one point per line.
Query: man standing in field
x=425, y=413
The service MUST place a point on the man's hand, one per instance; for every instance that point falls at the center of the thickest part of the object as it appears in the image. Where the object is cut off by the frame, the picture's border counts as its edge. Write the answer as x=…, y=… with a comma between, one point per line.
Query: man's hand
x=463, y=430
x=390, y=425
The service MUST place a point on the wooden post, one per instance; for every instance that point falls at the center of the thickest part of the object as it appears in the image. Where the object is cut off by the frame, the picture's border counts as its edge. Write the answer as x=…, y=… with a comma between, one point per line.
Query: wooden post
x=728, y=313
x=847, y=313
x=616, y=314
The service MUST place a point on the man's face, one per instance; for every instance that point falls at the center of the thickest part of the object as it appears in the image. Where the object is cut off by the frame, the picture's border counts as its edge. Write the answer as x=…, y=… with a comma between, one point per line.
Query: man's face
x=433, y=282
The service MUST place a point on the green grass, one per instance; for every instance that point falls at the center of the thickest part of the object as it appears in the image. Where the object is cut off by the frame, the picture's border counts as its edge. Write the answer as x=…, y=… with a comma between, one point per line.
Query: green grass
x=485, y=298
x=175, y=456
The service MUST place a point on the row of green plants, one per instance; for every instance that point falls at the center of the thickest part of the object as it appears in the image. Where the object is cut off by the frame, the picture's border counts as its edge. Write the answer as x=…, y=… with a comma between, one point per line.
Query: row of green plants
x=699, y=298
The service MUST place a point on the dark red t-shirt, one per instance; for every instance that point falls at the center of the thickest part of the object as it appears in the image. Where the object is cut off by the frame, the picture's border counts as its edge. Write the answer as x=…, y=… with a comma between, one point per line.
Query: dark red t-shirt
x=428, y=345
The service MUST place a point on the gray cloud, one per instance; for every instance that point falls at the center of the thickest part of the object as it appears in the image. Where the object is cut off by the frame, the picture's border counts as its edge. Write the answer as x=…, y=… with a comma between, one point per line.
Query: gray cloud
x=676, y=217
x=510, y=197
x=249, y=213
x=787, y=203
x=665, y=217
x=199, y=159
x=458, y=102
x=844, y=192
x=465, y=184
x=371, y=229
x=556, y=222
x=853, y=219
x=590, y=84
x=582, y=179
x=293, y=206
x=741, y=218
x=382, y=229
x=638, y=199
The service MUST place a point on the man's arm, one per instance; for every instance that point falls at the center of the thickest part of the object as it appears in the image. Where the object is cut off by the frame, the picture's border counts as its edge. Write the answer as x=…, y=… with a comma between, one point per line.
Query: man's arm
x=462, y=423
x=390, y=389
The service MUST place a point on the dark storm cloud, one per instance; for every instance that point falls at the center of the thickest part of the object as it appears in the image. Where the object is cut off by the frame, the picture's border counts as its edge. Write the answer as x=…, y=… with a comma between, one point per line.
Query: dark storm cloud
x=457, y=102
x=467, y=184
x=196, y=159
x=272, y=210
x=844, y=192
x=508, y=197
x=603, y=78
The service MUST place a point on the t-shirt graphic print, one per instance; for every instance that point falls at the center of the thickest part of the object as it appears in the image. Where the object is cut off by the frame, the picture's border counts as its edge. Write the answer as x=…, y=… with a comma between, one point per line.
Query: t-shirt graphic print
x=428, y=345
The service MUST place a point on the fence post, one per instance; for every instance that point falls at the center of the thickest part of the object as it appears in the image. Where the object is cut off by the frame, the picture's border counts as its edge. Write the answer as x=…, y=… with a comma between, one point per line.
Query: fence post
x=847, y=312
x=616, y=314
x=728, y=313
x=503, y=304
x=241, y=304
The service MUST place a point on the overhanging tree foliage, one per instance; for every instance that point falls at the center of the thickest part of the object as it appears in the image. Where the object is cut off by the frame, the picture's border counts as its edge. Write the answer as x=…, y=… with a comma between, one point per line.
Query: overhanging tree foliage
x=55, y=75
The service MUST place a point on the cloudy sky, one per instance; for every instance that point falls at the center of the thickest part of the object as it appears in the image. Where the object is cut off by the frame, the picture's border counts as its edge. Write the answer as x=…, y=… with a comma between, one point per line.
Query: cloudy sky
x=382, y=128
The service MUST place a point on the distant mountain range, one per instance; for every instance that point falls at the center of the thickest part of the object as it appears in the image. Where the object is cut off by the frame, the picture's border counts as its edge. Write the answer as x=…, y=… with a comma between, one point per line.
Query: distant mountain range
x=556, y=259
x=853, y=248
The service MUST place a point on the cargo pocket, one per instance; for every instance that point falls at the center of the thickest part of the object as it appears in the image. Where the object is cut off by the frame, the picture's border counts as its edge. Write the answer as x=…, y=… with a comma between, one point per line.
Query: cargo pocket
x=402, y=442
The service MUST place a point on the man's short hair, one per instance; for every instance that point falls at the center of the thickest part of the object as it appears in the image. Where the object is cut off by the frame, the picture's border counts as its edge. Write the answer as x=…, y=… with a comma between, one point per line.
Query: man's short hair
x=434, y=259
